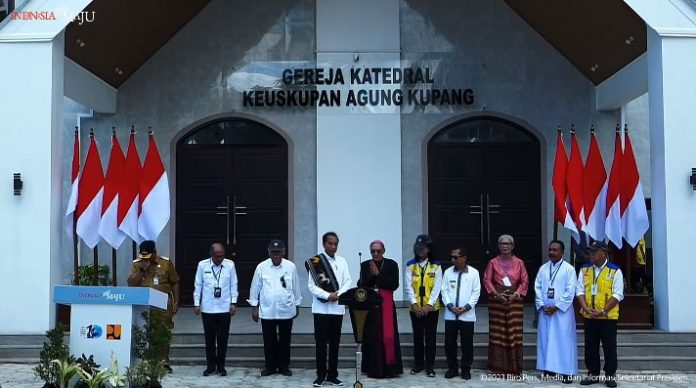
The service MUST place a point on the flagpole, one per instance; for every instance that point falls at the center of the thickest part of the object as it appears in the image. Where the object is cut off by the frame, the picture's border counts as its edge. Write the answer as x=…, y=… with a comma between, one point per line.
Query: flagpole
x=628, y=256
x=113, y=266
x=76, y=262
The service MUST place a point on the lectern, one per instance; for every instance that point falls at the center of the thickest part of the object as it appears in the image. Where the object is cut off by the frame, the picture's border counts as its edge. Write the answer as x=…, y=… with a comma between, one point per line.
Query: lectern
x=360, y=301
x=101, y=319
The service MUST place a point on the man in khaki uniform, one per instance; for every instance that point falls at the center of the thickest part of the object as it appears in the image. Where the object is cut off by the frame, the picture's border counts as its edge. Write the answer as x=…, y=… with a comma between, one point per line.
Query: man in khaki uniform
x=153, y=270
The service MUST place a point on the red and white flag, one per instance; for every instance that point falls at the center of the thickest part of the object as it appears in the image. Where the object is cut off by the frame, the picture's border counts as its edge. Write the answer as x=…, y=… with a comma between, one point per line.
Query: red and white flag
x=128, y=194
x=574, y=187
x=90, y=190
x=560, y=167
x=154, y=195
x=108, y=227
x=69, y=220
x=634, y=215
x=612, y=227
x=594, y=189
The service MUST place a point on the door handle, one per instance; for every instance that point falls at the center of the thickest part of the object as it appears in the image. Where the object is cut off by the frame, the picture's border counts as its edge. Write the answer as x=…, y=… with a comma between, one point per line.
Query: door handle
x=236, y=213
x=472, y=210
x=225, y=211
x=488, y=214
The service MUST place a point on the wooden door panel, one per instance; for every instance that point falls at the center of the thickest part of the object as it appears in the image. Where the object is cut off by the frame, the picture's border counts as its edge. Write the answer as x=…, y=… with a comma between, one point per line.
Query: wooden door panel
x=253, y=176
x=501, y=179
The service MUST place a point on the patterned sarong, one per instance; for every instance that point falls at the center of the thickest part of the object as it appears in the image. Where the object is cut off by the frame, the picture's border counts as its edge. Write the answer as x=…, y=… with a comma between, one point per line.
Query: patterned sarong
x=505, y=337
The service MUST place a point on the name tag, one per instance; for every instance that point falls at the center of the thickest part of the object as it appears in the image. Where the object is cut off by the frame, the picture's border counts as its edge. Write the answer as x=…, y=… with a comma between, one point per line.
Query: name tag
x=550, y=293
x=506, y=281
x=155, y=281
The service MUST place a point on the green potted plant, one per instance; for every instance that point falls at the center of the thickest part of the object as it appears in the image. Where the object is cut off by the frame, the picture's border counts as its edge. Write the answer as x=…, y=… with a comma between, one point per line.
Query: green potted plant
x=66, y=369
x=85, y=275
x=53, y=349
x=148, y=343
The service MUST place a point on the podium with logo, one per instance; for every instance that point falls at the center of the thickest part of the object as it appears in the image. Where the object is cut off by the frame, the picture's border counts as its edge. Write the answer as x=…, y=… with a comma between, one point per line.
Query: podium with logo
x=101, y=319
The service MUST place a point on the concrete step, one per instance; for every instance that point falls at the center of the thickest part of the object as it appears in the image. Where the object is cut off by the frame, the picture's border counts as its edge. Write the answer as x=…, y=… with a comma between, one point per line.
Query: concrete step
x=638, y=350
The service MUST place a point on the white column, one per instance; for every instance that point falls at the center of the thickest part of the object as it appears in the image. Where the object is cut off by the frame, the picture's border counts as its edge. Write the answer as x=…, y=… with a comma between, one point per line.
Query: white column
x=358, y=148
x=672, y=93
x=31, y=143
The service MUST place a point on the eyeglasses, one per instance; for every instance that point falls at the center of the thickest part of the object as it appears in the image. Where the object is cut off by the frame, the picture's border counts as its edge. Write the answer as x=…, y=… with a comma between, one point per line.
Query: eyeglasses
x=375, y=251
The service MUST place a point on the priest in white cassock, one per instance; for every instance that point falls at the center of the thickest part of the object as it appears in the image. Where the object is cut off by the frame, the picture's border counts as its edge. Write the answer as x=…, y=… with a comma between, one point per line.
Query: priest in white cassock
x=557, y=354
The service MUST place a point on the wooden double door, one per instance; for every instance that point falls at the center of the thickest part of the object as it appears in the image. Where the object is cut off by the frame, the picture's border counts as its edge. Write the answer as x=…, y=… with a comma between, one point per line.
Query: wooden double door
x=480, y=190
x=234, y=194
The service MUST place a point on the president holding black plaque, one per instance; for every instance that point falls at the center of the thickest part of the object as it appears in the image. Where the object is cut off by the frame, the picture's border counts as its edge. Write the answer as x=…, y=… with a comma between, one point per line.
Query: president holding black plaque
x=329, y=278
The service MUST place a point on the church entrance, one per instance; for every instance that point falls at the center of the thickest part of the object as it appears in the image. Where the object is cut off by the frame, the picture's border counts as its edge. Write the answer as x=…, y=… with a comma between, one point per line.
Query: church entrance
x=484, y=181
x=231, y=187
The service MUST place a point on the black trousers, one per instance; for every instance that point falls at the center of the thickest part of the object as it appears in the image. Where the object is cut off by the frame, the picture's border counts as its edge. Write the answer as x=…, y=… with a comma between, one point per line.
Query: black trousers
x=216, y=328
x=424, y=331
x=276, y=343
x=604, y=331
x=465, y=331
x=327, y=331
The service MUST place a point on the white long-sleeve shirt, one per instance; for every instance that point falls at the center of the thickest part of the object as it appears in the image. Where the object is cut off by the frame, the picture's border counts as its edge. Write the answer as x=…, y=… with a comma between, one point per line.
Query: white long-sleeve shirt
x=275, y=289
x=408, y=284
x=209, y=276
x=340, y=269
x=460, y=289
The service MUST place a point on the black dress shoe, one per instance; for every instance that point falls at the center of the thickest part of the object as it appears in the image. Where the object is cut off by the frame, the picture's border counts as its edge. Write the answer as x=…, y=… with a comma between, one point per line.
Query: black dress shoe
x=430, y=372
x=208, y=371
x=267, y=372
x=610, y=381
x=222, y=371
x=589, y=380
x=285, y=372
x=466, y=374
x=451, y=373
x=417, y=369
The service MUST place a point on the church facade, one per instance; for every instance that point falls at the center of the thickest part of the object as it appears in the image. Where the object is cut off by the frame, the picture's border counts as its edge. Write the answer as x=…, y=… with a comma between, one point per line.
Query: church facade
x=374, y=119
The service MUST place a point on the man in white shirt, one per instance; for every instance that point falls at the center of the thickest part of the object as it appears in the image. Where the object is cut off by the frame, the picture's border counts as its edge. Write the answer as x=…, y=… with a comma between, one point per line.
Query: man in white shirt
x=328, y=314
x=557, y=349
x=215, y=298
x=275, y=296
x=461, y=288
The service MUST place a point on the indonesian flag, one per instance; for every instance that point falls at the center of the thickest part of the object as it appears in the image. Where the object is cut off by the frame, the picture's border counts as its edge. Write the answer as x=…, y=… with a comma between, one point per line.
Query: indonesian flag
x=69, y=220
x=594, y=191
x=90, y=190
x=128, y=194
x=634, y=215
x=108, y=227
x=560, y=167
x=574, y=187
x=154, y=194
x=612, y=227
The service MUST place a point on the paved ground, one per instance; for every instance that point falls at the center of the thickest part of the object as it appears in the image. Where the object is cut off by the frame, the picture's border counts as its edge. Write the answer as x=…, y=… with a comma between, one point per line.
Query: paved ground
x=22, y=376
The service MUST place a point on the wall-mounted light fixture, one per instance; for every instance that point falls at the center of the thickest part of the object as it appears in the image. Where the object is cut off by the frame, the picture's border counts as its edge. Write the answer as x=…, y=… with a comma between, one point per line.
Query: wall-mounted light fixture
x=17, y=183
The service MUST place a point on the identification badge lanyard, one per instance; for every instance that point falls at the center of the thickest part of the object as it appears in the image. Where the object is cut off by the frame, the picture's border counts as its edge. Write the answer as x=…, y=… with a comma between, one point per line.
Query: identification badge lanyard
x=217, y=291
x=506, y=267
x=595, y=276
x=552, y=277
